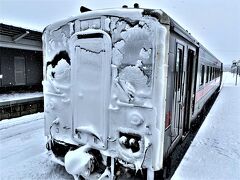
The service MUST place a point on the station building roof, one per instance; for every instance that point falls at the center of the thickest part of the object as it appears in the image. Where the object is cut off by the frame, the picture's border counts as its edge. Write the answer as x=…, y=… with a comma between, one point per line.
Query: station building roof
x=20, y=38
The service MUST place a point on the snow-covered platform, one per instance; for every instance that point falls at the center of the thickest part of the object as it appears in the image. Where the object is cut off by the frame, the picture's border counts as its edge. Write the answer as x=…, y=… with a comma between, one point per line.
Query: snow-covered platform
x=19, y=104
x=8, y=99
x=215, y=151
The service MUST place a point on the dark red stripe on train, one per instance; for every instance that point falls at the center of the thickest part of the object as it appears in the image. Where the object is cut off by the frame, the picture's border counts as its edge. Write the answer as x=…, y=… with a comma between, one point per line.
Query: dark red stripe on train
x=201, y=93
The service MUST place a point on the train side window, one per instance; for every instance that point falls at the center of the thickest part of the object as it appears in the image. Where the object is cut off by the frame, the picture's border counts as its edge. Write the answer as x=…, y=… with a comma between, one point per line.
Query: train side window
x=207, y=74
x=214, y=75
x=211, y=73
x=202, y=74
x=210, y=68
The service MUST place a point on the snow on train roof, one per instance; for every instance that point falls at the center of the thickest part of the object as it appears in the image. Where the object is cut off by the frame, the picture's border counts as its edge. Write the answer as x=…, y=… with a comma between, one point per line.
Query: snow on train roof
x=123, y=12
x=134, y=14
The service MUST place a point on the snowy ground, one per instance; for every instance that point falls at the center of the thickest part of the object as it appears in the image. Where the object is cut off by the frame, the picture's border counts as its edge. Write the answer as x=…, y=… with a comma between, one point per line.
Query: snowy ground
x=19, y=96
x=214, y=154
x=229, y=79
x=22, y=150
x=215, y=151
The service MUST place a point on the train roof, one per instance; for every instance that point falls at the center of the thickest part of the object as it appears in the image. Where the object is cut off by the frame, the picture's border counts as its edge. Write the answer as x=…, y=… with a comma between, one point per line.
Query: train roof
x=174, y=26
x=134, y=13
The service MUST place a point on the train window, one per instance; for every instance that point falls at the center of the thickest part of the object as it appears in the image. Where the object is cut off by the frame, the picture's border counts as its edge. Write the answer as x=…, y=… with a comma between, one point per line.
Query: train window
x=208, y=79
x=214, y=76
x=178, y=68
x=202, y=74
x=178, y=59
x=207, y=74
x=211, y=73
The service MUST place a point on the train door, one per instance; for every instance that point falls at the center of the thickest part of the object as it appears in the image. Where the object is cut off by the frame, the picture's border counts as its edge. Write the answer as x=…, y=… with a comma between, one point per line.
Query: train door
x=178, y=92
x=190, y=81
x=90, y=87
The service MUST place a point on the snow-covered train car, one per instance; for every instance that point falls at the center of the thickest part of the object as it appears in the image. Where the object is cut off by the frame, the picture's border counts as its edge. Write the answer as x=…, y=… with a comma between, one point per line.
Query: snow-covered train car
x=121, y=88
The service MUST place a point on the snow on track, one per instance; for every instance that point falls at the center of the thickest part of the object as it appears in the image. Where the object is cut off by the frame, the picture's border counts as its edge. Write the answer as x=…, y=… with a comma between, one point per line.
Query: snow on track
x=215, y=151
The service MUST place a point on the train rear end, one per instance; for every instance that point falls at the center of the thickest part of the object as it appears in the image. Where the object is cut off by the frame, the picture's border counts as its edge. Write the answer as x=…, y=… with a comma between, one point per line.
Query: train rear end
x=104, y=92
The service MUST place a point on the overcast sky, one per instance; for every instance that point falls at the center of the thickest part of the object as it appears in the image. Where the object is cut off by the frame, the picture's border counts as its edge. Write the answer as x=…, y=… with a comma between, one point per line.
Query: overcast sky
x=215, y=23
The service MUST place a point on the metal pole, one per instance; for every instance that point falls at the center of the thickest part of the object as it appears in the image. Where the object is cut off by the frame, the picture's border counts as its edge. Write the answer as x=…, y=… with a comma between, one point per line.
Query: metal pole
x=112, y=175
x=236, y=76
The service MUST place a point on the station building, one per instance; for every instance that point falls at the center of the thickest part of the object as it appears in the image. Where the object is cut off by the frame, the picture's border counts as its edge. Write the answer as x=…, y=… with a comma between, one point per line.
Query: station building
x=20, y=58
x=21, y=70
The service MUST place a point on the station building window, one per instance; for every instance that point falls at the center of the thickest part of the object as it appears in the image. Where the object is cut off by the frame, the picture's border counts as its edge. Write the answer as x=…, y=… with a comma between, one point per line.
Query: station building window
x=19, y=68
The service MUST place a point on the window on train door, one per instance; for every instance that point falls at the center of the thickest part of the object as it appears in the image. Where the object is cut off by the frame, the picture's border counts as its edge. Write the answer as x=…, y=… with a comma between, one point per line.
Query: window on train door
x=202, y=74
x=179, y=68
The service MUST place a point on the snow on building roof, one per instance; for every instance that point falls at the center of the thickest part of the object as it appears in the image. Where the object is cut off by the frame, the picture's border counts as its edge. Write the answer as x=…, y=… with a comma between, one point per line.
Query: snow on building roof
x=20, y=38
x=11, y=30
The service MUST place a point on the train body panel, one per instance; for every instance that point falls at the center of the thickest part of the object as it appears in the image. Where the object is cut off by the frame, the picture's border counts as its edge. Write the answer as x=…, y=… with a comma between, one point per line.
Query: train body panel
x=105, y=91
x=208, y=79
x=186, y=96
x=121, y=85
